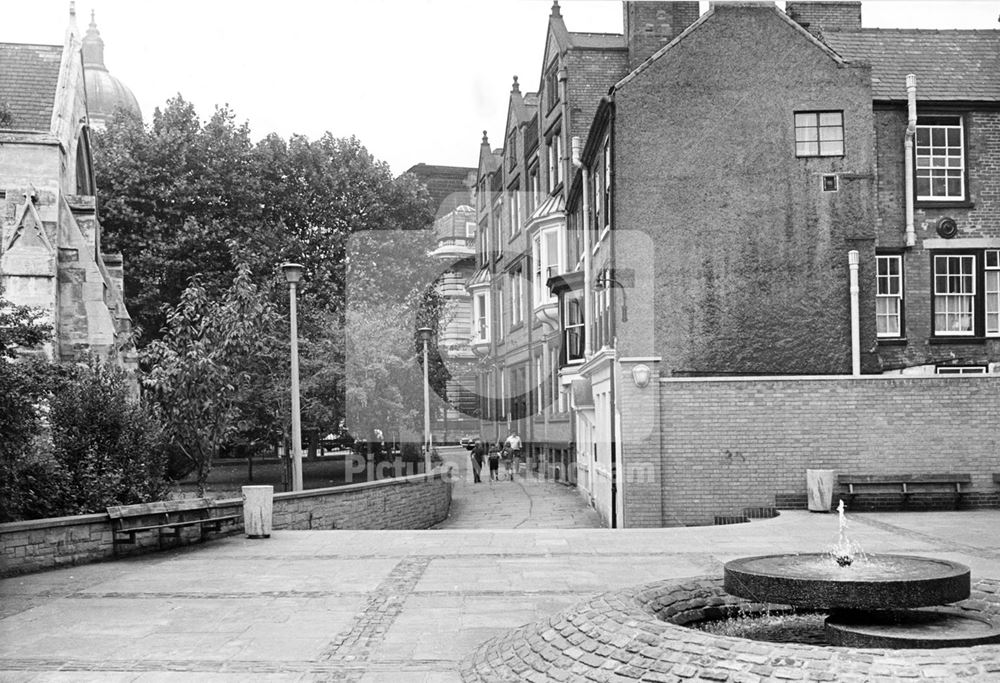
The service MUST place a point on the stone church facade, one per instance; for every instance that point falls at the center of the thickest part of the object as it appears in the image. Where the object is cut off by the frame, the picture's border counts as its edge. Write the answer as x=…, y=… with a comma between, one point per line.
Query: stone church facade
x=50, y=235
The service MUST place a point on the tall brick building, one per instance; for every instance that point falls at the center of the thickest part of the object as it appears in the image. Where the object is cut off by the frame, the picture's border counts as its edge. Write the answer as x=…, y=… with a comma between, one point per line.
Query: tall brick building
x=50, y=247
x=754, y=194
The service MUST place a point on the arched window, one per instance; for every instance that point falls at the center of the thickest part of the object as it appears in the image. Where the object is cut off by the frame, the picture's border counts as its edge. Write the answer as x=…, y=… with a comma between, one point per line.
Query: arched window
x=84, y=176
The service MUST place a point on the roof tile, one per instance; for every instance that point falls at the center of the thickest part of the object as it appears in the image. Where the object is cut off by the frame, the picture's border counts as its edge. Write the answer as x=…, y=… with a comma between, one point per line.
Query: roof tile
x=29, y=75
x=950, y=65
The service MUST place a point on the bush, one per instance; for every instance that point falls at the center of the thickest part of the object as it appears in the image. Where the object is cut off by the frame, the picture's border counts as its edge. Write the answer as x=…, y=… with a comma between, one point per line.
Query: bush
x=109, y=446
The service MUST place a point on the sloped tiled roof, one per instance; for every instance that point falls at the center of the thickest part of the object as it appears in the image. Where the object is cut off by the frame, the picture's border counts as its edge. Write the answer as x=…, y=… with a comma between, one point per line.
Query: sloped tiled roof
x=599, y=41
x=950, y=65
x=29, y=75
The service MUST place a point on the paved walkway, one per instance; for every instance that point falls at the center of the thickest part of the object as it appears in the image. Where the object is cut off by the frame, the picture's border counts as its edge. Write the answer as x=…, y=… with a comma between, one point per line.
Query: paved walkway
x=526, y=502
x=388, y=606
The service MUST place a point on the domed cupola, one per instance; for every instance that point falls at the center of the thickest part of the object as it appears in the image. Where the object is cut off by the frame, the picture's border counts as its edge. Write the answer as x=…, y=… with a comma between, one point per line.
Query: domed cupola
x=105, y=93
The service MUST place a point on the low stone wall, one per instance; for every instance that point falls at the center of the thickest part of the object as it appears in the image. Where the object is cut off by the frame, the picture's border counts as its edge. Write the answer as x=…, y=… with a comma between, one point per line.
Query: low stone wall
x=415, y=502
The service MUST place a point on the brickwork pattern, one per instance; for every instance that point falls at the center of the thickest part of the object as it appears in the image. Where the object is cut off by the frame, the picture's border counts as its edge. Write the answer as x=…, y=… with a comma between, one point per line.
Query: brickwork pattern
x=636, y=635
x=743, y=443
x=979, y=218
x=829, y=16
x=416, y=502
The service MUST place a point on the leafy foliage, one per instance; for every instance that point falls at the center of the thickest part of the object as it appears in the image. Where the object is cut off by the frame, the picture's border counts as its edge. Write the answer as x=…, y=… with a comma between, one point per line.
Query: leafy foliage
x=181, y=199
x=215, y=355
x=71, y=438
x=108, y=446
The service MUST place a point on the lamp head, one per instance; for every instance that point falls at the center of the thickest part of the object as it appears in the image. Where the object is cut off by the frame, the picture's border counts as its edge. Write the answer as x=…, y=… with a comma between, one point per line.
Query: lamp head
x=293, y=272
x=425, y=333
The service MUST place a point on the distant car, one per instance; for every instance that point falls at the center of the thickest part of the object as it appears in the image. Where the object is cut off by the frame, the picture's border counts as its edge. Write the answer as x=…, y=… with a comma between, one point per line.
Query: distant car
x=468, y=442
x=335, y=442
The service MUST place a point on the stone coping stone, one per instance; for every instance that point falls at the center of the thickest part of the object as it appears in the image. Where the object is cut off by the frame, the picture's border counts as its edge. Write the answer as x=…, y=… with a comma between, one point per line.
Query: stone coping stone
x=638, y=634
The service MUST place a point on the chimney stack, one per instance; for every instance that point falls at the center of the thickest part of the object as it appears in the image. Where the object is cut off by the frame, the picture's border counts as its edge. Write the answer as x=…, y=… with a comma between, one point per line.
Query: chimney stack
x=825, y=15
x=651, y=25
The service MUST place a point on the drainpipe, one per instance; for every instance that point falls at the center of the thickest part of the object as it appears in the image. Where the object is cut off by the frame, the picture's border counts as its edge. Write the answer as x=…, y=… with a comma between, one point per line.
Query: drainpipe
x=588, y=305
x=911, y=129
x=852, y=262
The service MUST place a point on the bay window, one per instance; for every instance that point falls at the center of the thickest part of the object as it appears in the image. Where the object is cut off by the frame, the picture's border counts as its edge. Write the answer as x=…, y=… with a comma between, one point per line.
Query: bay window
x=547, y=261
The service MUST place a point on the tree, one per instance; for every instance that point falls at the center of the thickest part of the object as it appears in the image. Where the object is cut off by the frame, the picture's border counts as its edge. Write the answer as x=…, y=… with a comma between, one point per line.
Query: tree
x=181, y=199
x=209, y=361
x=174, y=196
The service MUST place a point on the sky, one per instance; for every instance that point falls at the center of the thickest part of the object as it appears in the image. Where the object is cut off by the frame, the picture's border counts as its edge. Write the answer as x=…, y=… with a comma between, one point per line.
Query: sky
x=414, y=80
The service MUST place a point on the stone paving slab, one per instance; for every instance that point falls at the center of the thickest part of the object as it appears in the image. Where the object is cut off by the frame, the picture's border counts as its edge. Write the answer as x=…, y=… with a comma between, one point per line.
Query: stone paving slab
x=394, y=606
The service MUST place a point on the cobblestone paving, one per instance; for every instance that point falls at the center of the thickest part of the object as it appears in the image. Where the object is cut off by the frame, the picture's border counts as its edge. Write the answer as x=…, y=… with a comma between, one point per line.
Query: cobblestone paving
x=629, y=636
x=384, y=605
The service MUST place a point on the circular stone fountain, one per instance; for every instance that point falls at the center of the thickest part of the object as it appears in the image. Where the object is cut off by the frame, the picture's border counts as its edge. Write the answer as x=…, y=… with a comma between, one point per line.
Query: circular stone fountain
x=866, y=596
x=873, y=583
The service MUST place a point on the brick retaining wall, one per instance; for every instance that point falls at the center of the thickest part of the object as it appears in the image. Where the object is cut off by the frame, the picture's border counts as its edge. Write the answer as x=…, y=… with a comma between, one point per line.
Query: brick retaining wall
x=415, y=502
x=732, y=443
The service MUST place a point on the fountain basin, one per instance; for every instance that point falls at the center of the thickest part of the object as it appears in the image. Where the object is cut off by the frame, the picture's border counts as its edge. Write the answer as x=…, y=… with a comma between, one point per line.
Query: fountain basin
x=874, y=582
x=915, y=629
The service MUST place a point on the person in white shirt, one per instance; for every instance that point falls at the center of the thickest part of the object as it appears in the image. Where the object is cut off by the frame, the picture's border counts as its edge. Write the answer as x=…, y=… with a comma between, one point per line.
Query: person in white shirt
x=513, y=443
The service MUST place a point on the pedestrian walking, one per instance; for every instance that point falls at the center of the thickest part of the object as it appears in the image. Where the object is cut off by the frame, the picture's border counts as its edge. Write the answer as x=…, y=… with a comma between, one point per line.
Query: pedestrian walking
x=494, y=458
x=507, y=458
x=476, y=455
x=513, y=442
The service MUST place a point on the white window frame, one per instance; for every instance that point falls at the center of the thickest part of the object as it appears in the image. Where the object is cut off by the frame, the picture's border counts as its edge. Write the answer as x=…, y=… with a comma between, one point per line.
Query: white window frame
x=555, y=159
x=540, y=400
x=953, y=307
x=889, y=296
x=940, y=156
x=481, y=317
x=517, y=296
x=581, y=326
x=501, y=329
x=819, y=133
x=470, y=229
x=991, y=290
x=514, y=205
x=543, y=263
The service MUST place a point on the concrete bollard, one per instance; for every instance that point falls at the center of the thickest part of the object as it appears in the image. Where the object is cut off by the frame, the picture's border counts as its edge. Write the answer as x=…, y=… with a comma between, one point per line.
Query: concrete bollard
x=819, y=489
x=257, y=504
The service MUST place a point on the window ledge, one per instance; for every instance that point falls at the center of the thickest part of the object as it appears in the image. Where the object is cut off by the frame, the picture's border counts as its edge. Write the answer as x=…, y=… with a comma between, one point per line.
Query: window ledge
x=944, y=204
x=957, y=340
x=892, y=341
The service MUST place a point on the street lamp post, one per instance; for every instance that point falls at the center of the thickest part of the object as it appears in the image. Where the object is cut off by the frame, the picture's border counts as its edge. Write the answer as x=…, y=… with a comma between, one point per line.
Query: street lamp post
x=425, y=336
x=293, y=273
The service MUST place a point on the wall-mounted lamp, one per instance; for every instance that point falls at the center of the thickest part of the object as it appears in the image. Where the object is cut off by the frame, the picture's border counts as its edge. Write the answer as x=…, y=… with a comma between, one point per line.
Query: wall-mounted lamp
x=640, y=375
x=607, y=282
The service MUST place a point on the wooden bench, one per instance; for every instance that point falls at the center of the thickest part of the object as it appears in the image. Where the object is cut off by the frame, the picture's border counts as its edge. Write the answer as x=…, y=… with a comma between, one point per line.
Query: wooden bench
x=166, y=517
x=906, y=484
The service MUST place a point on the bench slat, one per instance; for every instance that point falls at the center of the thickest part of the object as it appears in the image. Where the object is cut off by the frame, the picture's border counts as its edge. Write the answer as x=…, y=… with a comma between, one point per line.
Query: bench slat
x=904, y=479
